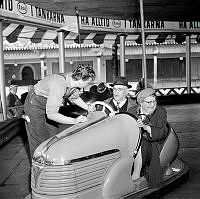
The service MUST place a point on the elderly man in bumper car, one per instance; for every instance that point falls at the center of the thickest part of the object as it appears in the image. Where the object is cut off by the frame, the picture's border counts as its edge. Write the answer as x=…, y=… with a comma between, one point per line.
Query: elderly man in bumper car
x=120, y=101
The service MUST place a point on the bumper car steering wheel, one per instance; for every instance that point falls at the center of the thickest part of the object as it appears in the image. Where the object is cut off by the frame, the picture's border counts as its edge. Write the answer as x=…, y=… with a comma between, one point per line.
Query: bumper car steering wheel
x=104, y=107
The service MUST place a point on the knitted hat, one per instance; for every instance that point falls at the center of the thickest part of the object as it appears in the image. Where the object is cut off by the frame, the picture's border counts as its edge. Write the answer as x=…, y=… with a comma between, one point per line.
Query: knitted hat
x=144, y=94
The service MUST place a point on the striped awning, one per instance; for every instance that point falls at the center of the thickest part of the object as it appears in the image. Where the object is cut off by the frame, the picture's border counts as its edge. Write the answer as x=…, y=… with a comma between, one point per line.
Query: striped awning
x=27, y=35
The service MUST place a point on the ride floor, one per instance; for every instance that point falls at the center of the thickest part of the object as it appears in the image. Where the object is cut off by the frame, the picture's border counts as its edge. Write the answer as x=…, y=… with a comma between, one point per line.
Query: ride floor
x=184, y=118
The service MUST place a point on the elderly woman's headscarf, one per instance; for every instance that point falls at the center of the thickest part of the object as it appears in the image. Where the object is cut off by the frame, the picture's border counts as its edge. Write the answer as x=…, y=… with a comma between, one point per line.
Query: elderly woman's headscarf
x=144, y=94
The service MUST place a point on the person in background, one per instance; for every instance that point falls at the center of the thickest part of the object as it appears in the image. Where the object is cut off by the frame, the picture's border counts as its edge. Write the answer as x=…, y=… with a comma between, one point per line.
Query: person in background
x=43, y=102
x=1, y=111
x=24, y=95
x=101, y=91
x=120, y=101
x=141, y=85
x=13, y=102
x=12, y=98
x=152, y=119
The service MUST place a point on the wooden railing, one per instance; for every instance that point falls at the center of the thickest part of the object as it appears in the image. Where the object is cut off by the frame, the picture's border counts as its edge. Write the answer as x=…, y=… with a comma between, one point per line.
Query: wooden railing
x=171, y=91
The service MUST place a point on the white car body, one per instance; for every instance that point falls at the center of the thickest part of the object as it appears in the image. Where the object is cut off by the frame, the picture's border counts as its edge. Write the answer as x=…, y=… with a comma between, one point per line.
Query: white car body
x=89, y=160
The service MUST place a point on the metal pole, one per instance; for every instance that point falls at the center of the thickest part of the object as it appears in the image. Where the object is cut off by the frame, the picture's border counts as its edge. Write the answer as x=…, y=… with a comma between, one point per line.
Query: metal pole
x=188, y=64
x=98, y=68
x=42, y=67
x=122, y=56
x=115, y=60
x=155, y=64
x=61, y=51
x=2, y=75
x=79, y=34
x=144, y=68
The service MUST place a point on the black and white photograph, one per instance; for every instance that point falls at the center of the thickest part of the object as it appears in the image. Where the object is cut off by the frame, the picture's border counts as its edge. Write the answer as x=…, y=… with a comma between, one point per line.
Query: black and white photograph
x=99, y=99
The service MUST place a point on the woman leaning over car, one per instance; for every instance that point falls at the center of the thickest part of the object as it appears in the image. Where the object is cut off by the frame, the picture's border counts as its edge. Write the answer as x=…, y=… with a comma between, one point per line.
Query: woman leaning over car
x=43, y=102
x=152, y=119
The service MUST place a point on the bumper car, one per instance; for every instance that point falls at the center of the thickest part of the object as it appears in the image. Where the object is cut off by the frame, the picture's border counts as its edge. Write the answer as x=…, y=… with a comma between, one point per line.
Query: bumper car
x=12, y=126
x=95, y=160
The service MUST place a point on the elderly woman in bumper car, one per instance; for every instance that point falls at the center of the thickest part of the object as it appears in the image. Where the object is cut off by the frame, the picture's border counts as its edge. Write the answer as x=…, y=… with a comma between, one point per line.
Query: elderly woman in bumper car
x=153, y=122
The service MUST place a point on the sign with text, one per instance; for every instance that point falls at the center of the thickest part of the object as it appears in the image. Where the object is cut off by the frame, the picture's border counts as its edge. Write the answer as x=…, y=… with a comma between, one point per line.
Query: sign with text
x=14, y=10
x=21, y=12
x=134, y=26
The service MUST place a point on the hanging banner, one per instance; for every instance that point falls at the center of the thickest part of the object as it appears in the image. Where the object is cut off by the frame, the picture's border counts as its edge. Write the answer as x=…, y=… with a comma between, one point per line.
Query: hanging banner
x=134, y=26
x=18, y=11
x=21, y=12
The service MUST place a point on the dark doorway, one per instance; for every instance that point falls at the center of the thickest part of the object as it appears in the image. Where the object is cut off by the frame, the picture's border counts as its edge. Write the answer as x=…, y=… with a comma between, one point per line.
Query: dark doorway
x=27, y=75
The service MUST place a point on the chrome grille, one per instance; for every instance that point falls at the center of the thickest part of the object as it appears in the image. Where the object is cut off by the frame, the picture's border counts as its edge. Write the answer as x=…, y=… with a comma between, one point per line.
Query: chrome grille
x=81, y=174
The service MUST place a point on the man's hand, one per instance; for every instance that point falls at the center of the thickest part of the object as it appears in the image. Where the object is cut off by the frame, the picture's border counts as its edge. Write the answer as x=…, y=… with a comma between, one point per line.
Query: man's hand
x=112, y=114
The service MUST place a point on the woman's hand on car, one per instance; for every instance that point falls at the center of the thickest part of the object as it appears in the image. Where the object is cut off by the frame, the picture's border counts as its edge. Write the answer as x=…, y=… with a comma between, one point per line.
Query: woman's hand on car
x=91, y=108
x=81, y=119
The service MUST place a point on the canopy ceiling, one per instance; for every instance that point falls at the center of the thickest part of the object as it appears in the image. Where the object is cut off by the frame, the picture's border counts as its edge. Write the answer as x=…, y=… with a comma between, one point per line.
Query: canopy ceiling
x=155, y=10
x=26, y=35
x=168, y=10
